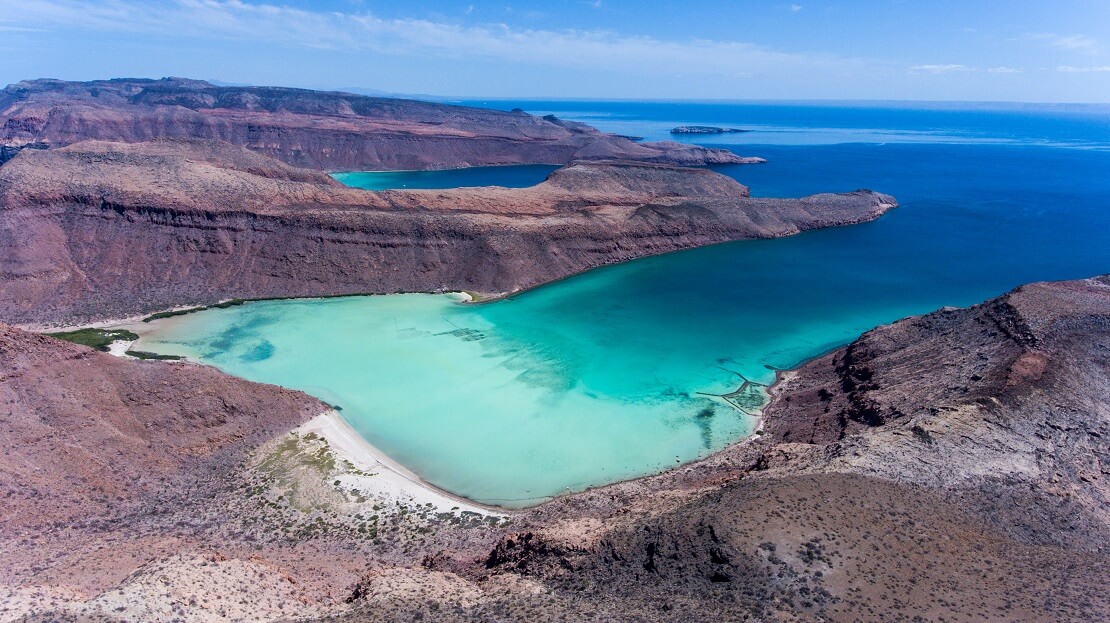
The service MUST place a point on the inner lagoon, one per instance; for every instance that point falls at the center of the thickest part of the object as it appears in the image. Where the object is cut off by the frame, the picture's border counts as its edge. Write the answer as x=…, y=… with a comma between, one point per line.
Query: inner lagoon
x=618, y=372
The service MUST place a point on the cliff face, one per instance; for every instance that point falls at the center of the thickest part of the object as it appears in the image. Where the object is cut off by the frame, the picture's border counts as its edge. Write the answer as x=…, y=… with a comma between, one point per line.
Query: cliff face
x=107, y=229
x=313, y=129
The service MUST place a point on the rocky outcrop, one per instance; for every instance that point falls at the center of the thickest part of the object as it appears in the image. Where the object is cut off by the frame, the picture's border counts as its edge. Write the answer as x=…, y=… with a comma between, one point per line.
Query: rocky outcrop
x=108, y=229
x=313, y=129
x=1004, y=403
x=7, y=152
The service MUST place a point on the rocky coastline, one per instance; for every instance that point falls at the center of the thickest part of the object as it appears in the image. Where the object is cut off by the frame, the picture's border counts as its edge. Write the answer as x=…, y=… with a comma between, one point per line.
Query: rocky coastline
x=100, y=229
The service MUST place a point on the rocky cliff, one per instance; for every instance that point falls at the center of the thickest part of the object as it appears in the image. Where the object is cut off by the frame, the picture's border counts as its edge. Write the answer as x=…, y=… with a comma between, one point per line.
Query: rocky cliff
x=1004, y=404
x=952, y=466
x=107, y=229
x=313, y=129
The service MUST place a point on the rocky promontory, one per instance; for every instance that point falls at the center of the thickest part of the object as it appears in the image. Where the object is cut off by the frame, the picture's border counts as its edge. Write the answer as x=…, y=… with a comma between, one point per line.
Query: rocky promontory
x=330, y=131
x=100, y=229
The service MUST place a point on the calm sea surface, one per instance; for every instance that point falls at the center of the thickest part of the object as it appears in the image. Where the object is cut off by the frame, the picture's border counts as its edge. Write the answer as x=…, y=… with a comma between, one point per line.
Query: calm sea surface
x=617, y=373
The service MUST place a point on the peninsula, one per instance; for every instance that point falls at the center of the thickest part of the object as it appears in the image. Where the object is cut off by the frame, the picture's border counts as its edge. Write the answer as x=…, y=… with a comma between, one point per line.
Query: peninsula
x=313, y=129
x=106, y=229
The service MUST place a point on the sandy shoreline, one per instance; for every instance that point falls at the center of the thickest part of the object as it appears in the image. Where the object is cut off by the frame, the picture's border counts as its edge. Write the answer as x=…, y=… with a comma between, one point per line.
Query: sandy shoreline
x=388, y=480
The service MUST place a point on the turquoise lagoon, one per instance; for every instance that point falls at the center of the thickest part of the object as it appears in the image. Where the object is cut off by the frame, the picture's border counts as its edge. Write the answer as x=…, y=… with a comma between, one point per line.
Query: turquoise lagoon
x=616, y=373
x=520, y=176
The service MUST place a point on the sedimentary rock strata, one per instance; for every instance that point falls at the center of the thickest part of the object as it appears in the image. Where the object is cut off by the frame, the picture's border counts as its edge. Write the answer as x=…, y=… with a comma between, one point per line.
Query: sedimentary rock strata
x=107, y=229
x=314, y=129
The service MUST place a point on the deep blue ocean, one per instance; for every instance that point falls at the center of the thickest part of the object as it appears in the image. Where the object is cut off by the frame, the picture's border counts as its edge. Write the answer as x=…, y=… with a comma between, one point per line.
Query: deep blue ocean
x=611, y=374
x=992, y=196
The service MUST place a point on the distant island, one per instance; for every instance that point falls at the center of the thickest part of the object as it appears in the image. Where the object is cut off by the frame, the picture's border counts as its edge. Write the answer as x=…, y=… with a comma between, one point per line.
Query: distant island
x=704, y=129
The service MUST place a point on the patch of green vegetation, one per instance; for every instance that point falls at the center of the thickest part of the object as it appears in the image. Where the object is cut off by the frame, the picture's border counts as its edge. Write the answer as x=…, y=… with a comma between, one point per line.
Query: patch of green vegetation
x=171, y=314
x=142, y=354
x=235, y=302
x=182, y=312
x=96, y=338
x=294, y=464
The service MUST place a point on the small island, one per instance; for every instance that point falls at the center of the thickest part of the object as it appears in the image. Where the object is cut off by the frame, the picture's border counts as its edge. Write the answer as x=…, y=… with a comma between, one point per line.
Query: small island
x=704, y=129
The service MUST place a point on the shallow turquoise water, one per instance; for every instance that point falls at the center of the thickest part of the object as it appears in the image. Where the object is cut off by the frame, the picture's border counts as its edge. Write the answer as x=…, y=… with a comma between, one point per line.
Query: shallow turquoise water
x=597, y=378
x=510, y=177
x=493, y=407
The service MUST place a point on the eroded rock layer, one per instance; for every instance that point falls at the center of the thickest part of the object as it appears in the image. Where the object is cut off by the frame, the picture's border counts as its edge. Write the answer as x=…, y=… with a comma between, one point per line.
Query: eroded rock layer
x=314, y=129
x=108, y=229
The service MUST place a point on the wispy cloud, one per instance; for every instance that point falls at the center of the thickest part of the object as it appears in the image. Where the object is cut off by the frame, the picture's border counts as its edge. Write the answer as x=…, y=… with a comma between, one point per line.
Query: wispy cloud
x=1005, y=70
x=286, y=25
x=794, y=8
x=1075, y=43
x=1083, y=70
x=6, y=28
x=941, y=69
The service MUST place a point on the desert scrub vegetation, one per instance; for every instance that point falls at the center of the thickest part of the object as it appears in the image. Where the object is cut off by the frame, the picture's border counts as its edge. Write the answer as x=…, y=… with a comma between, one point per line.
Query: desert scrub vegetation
x=142, y=354
x=99, y=339
x=182, y=312
x=299, y=470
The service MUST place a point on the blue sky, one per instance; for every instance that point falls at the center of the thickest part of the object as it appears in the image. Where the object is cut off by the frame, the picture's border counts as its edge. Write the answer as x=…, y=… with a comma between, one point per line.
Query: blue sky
x=1020, y=50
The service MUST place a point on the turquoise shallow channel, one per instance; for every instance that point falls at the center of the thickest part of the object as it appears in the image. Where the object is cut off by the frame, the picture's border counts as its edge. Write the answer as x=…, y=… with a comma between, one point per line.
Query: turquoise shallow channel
x=612, y=374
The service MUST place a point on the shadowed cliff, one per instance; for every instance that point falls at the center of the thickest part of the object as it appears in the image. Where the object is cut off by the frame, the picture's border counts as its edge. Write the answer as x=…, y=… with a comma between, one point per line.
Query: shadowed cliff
x=107, y=229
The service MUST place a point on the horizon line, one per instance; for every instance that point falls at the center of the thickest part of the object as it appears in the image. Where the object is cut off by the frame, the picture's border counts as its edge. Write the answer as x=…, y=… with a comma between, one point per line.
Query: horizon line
x=373, y=92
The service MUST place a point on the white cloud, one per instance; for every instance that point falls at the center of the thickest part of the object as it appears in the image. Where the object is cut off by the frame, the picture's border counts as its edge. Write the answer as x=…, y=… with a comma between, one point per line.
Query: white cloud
x=289, y=26
x=1083, y=70
x=941, y=69
x=794, y=8
x=1075, y=43
x=1005, y=70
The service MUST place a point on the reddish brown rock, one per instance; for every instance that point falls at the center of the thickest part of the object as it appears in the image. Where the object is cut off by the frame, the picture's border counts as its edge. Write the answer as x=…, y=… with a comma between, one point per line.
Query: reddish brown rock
x=85, y=433
x=314, y=129
x=108, y=229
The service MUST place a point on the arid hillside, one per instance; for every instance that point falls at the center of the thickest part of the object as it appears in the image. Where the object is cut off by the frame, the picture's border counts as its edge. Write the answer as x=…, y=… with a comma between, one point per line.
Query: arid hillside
x=314, y=129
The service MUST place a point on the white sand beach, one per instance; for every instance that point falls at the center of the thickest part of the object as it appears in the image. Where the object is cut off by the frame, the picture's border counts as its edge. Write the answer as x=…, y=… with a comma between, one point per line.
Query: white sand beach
x=383, y=478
